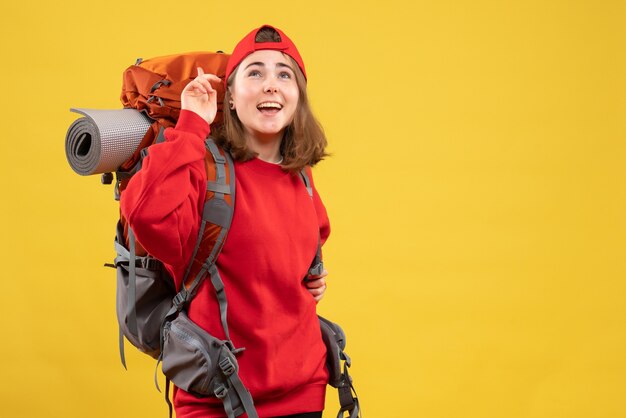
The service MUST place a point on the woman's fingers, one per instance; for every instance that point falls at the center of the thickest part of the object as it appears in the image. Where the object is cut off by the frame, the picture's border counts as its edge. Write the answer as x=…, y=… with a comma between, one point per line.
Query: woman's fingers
x=198, y=86
x=316, y=286
x=318, y=291
x=209, y=77
x=200, y=97
x=205, y=80
x=214, y=78
x=318, y=294
x=315, y=283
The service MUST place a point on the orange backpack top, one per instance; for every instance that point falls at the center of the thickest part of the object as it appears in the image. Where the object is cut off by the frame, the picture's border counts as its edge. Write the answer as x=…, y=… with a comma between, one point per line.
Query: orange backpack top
x=154, y=86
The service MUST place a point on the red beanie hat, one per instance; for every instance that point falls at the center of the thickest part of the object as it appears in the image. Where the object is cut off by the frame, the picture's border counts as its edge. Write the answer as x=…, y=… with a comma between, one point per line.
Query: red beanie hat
x=248, y=45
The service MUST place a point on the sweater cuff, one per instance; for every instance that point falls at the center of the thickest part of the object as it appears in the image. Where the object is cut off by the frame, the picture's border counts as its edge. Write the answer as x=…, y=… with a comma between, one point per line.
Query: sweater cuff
x=191, y=122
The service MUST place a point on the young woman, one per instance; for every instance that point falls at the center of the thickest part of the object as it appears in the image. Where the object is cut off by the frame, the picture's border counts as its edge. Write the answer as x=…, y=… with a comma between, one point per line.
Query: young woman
x=272, y=134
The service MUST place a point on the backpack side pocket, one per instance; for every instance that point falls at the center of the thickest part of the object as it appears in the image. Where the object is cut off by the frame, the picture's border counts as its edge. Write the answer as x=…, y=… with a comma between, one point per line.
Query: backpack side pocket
x=142, y=303
x=192, y=357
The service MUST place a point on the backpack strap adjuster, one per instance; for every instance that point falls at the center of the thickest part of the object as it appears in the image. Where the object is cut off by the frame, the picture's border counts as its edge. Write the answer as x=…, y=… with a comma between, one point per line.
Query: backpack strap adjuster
x=227, y=366
x=220, y=392
x=179, y=300
x=219, y=158
x=149, y=263
x=317, y=269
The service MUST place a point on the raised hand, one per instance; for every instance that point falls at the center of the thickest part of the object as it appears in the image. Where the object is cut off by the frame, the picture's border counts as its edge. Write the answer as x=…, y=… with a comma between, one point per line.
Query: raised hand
x=200, y=97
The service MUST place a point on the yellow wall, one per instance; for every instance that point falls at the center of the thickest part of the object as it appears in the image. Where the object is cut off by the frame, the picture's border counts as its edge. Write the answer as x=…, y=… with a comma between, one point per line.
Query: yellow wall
x=476, y=191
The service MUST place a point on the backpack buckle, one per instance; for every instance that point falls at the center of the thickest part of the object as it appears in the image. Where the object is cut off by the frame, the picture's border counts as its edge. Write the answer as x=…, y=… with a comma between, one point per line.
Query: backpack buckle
x=149, y=263
x=220, y=391
x=179, y=300
x=317, y=269
x=227, y=366
x=219, y=158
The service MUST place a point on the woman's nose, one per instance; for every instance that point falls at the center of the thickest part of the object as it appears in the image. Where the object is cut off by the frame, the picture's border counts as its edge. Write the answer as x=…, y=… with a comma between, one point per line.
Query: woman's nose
x=270, y=87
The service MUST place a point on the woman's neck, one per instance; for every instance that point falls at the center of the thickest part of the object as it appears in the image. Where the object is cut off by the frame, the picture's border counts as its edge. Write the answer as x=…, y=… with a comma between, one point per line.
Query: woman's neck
x=268, y=149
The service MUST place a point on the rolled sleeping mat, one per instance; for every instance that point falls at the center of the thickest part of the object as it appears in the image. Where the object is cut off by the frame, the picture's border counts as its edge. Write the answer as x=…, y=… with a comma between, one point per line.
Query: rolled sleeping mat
x=103, y=139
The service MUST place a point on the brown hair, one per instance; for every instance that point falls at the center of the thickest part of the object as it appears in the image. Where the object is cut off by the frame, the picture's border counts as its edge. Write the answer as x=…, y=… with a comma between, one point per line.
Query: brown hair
x=304, y=141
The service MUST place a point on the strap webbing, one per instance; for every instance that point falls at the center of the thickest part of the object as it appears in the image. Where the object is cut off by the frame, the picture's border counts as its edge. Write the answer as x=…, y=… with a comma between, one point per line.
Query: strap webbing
x=167, y=396
x=219, y=161
x=209, y=267
x=347, y=402
x=317, y=267
x=161, y=136
x=307, y=182
x=233, y=393
x=218, y=285
x=215, y=187
x=123, y=256
x=244, y=395
x=121, y=347
x=228, y=405
x=132, y=280
x=195, y=250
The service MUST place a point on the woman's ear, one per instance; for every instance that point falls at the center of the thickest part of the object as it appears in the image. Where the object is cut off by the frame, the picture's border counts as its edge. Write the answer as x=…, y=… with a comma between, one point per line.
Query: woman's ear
x=229, y=93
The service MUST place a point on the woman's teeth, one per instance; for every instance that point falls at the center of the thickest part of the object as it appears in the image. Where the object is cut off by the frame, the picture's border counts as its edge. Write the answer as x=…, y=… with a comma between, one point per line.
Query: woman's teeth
x=269, y=105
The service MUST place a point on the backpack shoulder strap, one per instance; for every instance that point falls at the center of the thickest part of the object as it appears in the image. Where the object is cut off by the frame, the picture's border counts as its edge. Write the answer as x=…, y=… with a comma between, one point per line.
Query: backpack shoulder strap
x=217, y=215
x=317, y=266
x=334, y=339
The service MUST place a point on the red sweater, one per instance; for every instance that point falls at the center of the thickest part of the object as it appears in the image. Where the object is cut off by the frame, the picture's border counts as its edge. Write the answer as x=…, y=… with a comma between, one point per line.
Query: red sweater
x=270, y=246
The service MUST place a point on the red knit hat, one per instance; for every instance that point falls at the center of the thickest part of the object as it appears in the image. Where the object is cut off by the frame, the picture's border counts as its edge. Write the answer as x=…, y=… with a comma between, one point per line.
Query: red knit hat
x=247, y=46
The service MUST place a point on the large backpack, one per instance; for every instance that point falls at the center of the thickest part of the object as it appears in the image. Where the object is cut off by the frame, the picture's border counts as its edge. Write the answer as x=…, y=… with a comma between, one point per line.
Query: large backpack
x=151, y=312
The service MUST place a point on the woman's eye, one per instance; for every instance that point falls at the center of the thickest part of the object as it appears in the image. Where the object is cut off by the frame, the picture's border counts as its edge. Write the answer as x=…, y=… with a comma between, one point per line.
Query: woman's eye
x=254, y=73
x=284, y=74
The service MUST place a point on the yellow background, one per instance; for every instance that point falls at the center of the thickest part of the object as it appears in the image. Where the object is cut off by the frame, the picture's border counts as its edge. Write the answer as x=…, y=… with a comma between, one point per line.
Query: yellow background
x=476, y=192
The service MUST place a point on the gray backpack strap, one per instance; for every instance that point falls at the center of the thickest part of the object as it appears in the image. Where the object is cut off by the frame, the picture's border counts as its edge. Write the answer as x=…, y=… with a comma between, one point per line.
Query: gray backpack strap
x=233, y=393
x=335, y=341
x=131, y=313
x=122, y=256
x=218, y=285
x=161, y=136
x=307, y=182
x=317, y=266
x=347, y=402
x=216, y=211
x=132, y=276
x=220, y=214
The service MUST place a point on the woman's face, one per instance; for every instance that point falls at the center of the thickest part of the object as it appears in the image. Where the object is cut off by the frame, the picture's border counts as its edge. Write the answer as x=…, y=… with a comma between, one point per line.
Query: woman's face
x=265, y=94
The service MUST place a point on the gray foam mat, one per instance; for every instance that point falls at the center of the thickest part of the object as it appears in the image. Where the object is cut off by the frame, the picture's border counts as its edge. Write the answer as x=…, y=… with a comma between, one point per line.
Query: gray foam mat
x=103, y=139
